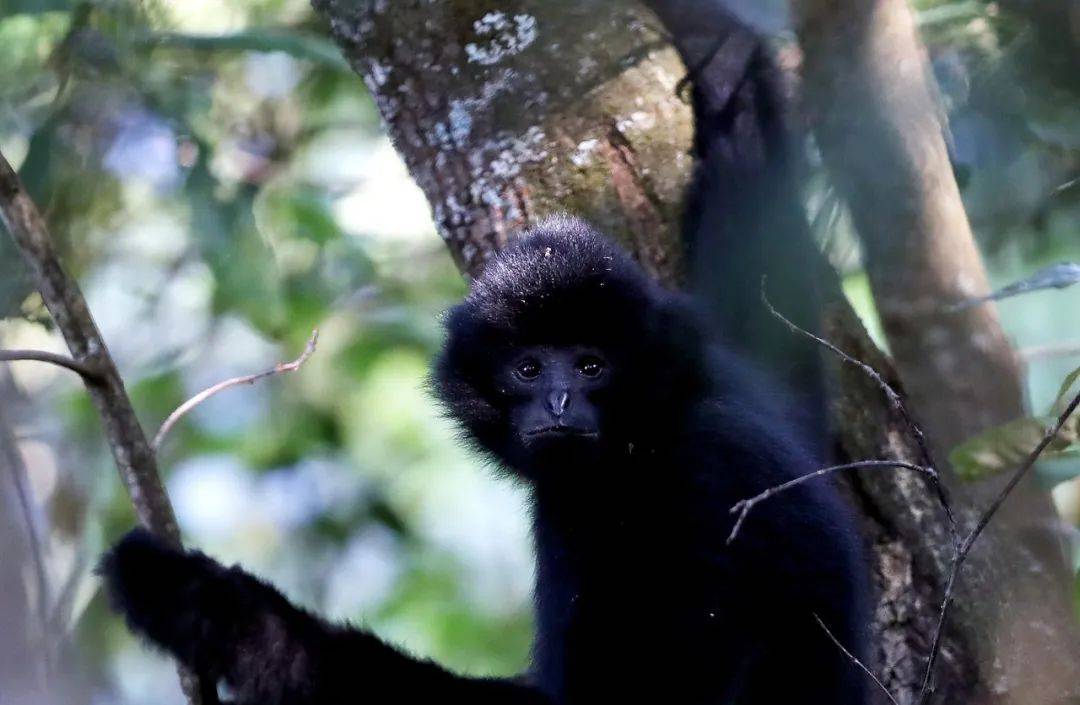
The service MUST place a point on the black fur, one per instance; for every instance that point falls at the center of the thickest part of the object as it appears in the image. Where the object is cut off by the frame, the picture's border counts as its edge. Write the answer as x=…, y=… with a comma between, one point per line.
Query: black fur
x=229, y=625
x=745, y=216
x=639, y=599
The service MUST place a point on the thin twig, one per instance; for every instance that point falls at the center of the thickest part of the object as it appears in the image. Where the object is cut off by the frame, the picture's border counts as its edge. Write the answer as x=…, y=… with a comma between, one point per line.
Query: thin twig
x=135, y=459
x=895, y=401
x=969, y=540
x=205, y=394
x=855, y=660
x=743, y=506
x=88, y=372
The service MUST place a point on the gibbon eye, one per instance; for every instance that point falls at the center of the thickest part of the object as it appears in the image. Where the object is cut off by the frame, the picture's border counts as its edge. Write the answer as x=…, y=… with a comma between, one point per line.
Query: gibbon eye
x=528, y=369
x=591, y=366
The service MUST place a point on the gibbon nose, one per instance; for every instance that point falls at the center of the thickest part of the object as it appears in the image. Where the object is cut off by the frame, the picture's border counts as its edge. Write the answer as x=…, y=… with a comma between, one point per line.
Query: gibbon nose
x=558, y=401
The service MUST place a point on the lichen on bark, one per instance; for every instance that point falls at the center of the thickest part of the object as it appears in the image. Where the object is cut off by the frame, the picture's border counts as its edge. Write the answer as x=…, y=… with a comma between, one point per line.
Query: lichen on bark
x=506, y=112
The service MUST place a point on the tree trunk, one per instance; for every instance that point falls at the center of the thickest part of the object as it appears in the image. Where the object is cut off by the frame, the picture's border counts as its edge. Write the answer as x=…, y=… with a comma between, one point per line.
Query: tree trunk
x=872, y=104
x=507, y=111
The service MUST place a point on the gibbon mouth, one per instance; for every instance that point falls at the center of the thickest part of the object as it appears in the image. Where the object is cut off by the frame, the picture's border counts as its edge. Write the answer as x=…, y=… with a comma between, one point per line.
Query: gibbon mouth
x=561, y=431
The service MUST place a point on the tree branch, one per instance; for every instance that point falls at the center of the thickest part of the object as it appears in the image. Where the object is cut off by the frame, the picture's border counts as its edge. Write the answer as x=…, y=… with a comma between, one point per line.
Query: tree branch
x=855, y=660
x=88, y=371
x=134, y=457
x=205, y=394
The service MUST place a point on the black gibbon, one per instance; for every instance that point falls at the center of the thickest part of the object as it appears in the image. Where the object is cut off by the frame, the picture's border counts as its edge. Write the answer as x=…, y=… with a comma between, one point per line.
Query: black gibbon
x=635, y=433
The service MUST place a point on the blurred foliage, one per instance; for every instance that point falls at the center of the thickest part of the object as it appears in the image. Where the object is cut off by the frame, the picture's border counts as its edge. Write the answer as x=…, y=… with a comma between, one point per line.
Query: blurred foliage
x=217, y=179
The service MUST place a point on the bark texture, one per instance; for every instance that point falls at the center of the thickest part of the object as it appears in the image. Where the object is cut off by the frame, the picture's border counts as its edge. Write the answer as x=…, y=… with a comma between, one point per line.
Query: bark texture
x=873, y=106
x=506, y=111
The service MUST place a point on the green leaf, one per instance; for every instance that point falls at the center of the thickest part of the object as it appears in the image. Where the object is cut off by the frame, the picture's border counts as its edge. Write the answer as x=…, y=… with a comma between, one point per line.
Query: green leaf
x=296, y=212
x=1005, y=447
x=247, y=279
x=1065, y=395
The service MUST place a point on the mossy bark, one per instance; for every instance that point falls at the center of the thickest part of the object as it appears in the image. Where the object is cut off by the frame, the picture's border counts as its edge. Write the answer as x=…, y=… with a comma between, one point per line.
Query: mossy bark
x=506, y=112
